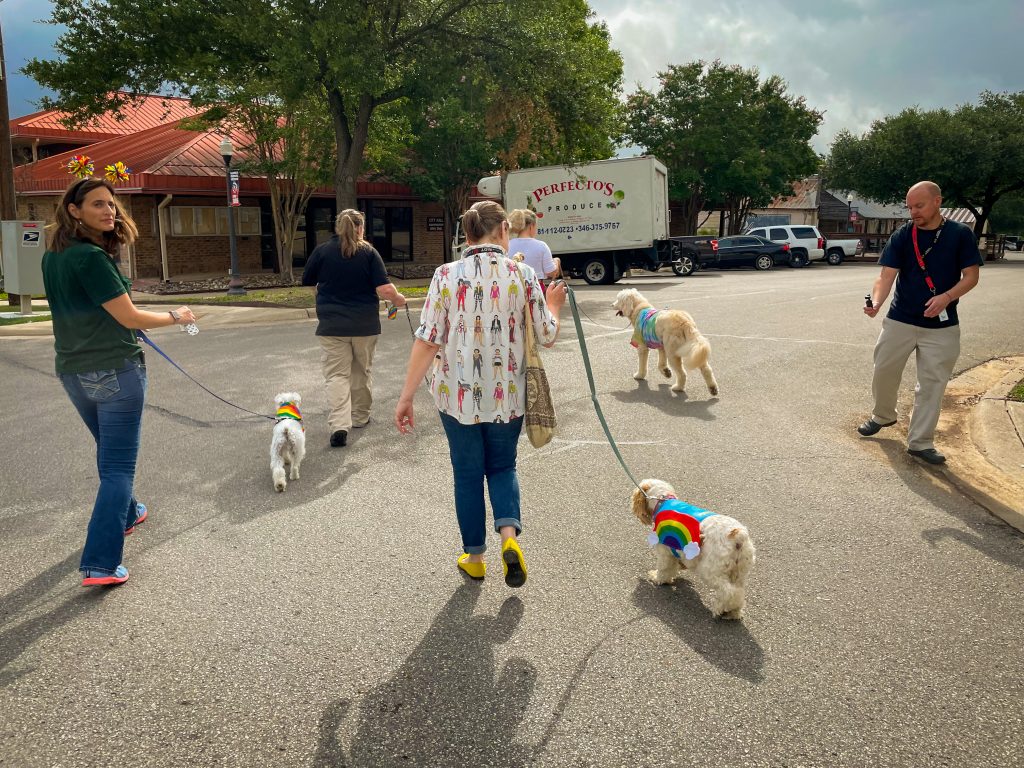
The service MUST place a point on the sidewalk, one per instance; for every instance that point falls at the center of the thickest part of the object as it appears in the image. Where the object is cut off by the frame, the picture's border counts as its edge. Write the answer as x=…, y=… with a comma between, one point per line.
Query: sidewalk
x=982, y=434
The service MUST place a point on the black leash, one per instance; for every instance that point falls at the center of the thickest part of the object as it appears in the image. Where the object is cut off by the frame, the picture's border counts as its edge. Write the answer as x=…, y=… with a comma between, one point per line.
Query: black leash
x=164, y=355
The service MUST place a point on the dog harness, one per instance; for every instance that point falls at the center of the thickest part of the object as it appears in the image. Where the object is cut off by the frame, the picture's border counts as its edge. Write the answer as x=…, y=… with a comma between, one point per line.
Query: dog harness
x=677, y=526
x=290, y=411
x=644, y=332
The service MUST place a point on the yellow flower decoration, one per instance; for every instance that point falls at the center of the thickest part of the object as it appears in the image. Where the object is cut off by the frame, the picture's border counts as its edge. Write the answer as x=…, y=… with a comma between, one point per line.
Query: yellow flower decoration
x=116, y=173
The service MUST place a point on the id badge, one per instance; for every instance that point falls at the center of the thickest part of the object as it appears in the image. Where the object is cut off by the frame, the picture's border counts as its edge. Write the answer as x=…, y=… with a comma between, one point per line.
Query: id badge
x=943, y=316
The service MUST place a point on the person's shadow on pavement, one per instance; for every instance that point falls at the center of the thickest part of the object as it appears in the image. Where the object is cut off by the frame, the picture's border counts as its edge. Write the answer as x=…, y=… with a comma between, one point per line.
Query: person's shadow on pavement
x=446, y=704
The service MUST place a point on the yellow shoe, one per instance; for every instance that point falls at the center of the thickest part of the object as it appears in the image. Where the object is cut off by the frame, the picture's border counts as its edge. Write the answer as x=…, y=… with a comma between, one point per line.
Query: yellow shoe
x=514, y=563
x=473, y=570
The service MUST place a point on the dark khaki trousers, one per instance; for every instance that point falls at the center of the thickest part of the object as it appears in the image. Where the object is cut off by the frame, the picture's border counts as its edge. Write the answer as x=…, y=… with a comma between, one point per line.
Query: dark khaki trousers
x=937, y=350
x=347, y=364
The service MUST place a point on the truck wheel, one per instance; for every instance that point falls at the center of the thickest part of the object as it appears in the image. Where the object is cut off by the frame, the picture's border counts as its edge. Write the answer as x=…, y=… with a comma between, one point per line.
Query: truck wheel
x=798, y=259
x=598, y=271
x=763, y=262
x=834, y=257
x=684, y=266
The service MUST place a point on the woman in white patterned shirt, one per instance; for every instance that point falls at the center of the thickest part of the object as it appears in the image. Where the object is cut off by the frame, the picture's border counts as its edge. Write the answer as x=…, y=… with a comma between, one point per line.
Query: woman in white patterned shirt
x=482, y=430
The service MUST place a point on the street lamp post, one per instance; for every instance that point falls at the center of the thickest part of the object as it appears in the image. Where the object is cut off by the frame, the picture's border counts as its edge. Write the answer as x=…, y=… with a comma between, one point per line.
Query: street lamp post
x=235, y=287
x=849, y=211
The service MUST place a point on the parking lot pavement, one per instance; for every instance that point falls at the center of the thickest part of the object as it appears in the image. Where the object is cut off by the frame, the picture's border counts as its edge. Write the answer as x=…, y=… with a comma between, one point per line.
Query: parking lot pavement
x=328, y=625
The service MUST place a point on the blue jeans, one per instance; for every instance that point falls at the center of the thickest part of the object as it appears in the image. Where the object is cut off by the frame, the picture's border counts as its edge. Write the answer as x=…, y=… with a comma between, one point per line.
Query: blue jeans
x=479, y=451
x=110, y=403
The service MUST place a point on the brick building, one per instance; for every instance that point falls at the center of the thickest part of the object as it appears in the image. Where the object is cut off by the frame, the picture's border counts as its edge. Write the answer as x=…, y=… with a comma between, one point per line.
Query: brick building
x=177, y=196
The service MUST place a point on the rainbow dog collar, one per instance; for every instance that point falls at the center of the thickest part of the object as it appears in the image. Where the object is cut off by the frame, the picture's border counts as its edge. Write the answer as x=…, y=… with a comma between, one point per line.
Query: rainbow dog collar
x=289, y=411
x=644, y=332
x=677, y=526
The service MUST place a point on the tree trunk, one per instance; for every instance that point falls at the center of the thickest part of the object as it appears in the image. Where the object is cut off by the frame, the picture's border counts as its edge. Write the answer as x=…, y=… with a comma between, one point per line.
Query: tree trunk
x=351, y=143
x=690, y=210
x=455, y=204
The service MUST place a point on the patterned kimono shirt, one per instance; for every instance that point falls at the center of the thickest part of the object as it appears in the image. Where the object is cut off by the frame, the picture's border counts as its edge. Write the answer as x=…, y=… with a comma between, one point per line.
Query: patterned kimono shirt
x=497, y=382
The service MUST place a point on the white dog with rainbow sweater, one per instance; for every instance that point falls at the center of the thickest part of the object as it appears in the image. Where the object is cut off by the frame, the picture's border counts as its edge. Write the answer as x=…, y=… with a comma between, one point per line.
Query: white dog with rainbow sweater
x=715, y=548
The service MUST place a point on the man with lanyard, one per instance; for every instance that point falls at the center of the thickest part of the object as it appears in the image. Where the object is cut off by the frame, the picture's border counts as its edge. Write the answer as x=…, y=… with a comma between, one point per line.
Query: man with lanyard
x=936, y=262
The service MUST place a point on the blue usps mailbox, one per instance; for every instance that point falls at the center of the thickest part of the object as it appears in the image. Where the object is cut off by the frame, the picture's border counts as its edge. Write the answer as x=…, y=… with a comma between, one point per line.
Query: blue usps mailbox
x=24, y=243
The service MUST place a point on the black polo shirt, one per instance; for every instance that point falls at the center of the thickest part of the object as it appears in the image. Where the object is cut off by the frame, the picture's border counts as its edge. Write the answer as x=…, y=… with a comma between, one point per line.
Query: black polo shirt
x=346, y=289
x=955, y=250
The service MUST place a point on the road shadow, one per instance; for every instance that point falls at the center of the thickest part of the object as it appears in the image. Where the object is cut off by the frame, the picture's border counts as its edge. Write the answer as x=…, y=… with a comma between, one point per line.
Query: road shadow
x=726, y=644
x=661, y=397
x=446, y=704
x=16, y=638
x=1006, y=546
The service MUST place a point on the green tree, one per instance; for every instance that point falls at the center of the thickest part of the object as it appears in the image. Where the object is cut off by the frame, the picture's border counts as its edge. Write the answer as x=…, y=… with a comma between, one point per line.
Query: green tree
x=358, y=56
x=1008, y=214
x=519, y=111
x=975, y=153
x=728, y=139
x=291, y=144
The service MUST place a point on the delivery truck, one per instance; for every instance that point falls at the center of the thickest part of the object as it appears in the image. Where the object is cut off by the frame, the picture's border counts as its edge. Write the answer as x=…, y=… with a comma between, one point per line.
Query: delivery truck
x=600, y=219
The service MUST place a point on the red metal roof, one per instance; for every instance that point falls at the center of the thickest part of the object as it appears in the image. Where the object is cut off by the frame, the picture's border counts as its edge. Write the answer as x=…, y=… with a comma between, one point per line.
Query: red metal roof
x=167, y=159
x=148, y=112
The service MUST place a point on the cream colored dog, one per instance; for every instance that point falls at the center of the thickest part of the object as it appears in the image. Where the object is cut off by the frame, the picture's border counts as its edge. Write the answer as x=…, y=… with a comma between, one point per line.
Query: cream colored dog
x=724, y=554
x=673, y=333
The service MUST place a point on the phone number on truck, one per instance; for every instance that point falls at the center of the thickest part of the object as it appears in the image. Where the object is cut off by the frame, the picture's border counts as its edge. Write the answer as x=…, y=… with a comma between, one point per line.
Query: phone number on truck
x=578, y=228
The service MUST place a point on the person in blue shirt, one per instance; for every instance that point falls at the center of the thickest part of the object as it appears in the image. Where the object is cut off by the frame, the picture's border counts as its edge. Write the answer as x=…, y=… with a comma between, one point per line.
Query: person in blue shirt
x=933, y=263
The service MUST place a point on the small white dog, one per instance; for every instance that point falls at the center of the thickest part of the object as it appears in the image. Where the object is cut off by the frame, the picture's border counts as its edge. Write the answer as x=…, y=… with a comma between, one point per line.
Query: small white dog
x=681, y=347
x=289, y=443
x=715, y=548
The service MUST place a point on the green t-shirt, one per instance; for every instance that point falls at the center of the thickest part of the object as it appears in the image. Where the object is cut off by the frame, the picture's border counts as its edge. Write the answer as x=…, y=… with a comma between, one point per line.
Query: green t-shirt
x=78, y=281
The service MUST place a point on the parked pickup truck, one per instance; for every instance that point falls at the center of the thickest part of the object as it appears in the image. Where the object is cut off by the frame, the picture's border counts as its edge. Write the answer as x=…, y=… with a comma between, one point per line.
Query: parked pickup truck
x=837, y=250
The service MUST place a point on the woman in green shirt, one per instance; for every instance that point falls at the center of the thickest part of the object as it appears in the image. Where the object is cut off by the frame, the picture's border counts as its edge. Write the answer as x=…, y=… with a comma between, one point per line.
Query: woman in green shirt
x=99, y=360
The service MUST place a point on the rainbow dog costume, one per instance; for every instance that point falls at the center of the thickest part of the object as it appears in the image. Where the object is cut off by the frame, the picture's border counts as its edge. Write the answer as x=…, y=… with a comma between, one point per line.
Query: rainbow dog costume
x=290, y=411
x=677, y=526
x=644, y=332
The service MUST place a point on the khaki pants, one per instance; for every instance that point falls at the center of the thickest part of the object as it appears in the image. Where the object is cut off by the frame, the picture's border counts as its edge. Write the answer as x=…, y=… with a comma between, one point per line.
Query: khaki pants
x=347, y=363
x=937, y=350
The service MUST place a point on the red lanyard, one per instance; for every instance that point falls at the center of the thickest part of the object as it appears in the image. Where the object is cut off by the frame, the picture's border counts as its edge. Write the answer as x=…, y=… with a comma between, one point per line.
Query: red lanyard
x=920, y=256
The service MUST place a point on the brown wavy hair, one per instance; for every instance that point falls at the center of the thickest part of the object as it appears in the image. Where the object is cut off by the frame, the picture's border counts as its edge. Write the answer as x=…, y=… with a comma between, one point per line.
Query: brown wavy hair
x=66, y=227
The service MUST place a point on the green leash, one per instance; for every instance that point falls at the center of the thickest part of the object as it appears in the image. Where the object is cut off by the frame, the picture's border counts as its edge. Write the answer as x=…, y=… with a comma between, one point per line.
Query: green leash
x=593, y=389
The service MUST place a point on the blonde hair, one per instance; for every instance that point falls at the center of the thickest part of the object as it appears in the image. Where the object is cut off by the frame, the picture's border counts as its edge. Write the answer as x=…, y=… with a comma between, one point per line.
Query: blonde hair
x=521, y=219
x=482, y=219
x=66, y=227
x=347, y=226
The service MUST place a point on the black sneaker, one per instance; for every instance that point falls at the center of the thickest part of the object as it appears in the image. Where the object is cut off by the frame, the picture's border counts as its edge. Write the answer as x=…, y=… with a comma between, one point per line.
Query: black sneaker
x=928, y=454
x=871, y=427
x=339, y=438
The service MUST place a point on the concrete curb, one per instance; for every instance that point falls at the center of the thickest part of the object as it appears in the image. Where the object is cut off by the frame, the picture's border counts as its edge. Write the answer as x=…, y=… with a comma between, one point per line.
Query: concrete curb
x=981, y=432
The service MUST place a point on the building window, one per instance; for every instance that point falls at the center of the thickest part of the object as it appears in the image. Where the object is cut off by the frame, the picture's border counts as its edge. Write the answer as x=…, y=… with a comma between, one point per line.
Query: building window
x=389, y=230
x=208, y=221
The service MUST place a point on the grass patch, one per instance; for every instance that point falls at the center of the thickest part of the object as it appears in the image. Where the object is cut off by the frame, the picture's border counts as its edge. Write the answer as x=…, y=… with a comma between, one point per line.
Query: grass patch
x=298, y=296
x=23, y=320
x=1017, y=393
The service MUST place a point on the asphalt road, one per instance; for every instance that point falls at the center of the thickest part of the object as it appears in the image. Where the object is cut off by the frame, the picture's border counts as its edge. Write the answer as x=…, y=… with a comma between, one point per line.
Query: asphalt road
x=328, y=625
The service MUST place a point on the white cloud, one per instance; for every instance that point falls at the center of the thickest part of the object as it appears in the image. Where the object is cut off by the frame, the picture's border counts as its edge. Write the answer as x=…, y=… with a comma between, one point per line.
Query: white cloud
x=858, y=61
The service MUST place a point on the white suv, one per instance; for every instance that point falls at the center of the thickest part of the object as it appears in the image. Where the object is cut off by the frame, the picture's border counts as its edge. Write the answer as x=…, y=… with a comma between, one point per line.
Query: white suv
x=805, y=242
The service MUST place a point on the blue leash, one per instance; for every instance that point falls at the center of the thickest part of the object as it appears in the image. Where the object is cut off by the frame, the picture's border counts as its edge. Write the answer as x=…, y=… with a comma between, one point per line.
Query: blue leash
x=164, y=355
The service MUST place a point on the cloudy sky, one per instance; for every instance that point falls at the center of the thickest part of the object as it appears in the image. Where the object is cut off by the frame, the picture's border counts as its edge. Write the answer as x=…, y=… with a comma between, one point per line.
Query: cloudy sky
x=857, y=60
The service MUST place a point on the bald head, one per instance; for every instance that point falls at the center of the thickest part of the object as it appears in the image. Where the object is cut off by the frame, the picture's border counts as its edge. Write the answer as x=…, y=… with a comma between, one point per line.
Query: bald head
x=924, y=201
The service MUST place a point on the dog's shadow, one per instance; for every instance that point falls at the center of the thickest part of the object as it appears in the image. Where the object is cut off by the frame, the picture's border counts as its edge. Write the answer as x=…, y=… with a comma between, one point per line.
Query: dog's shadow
x=725, y=643
x=248, y=494
x=671, y=403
